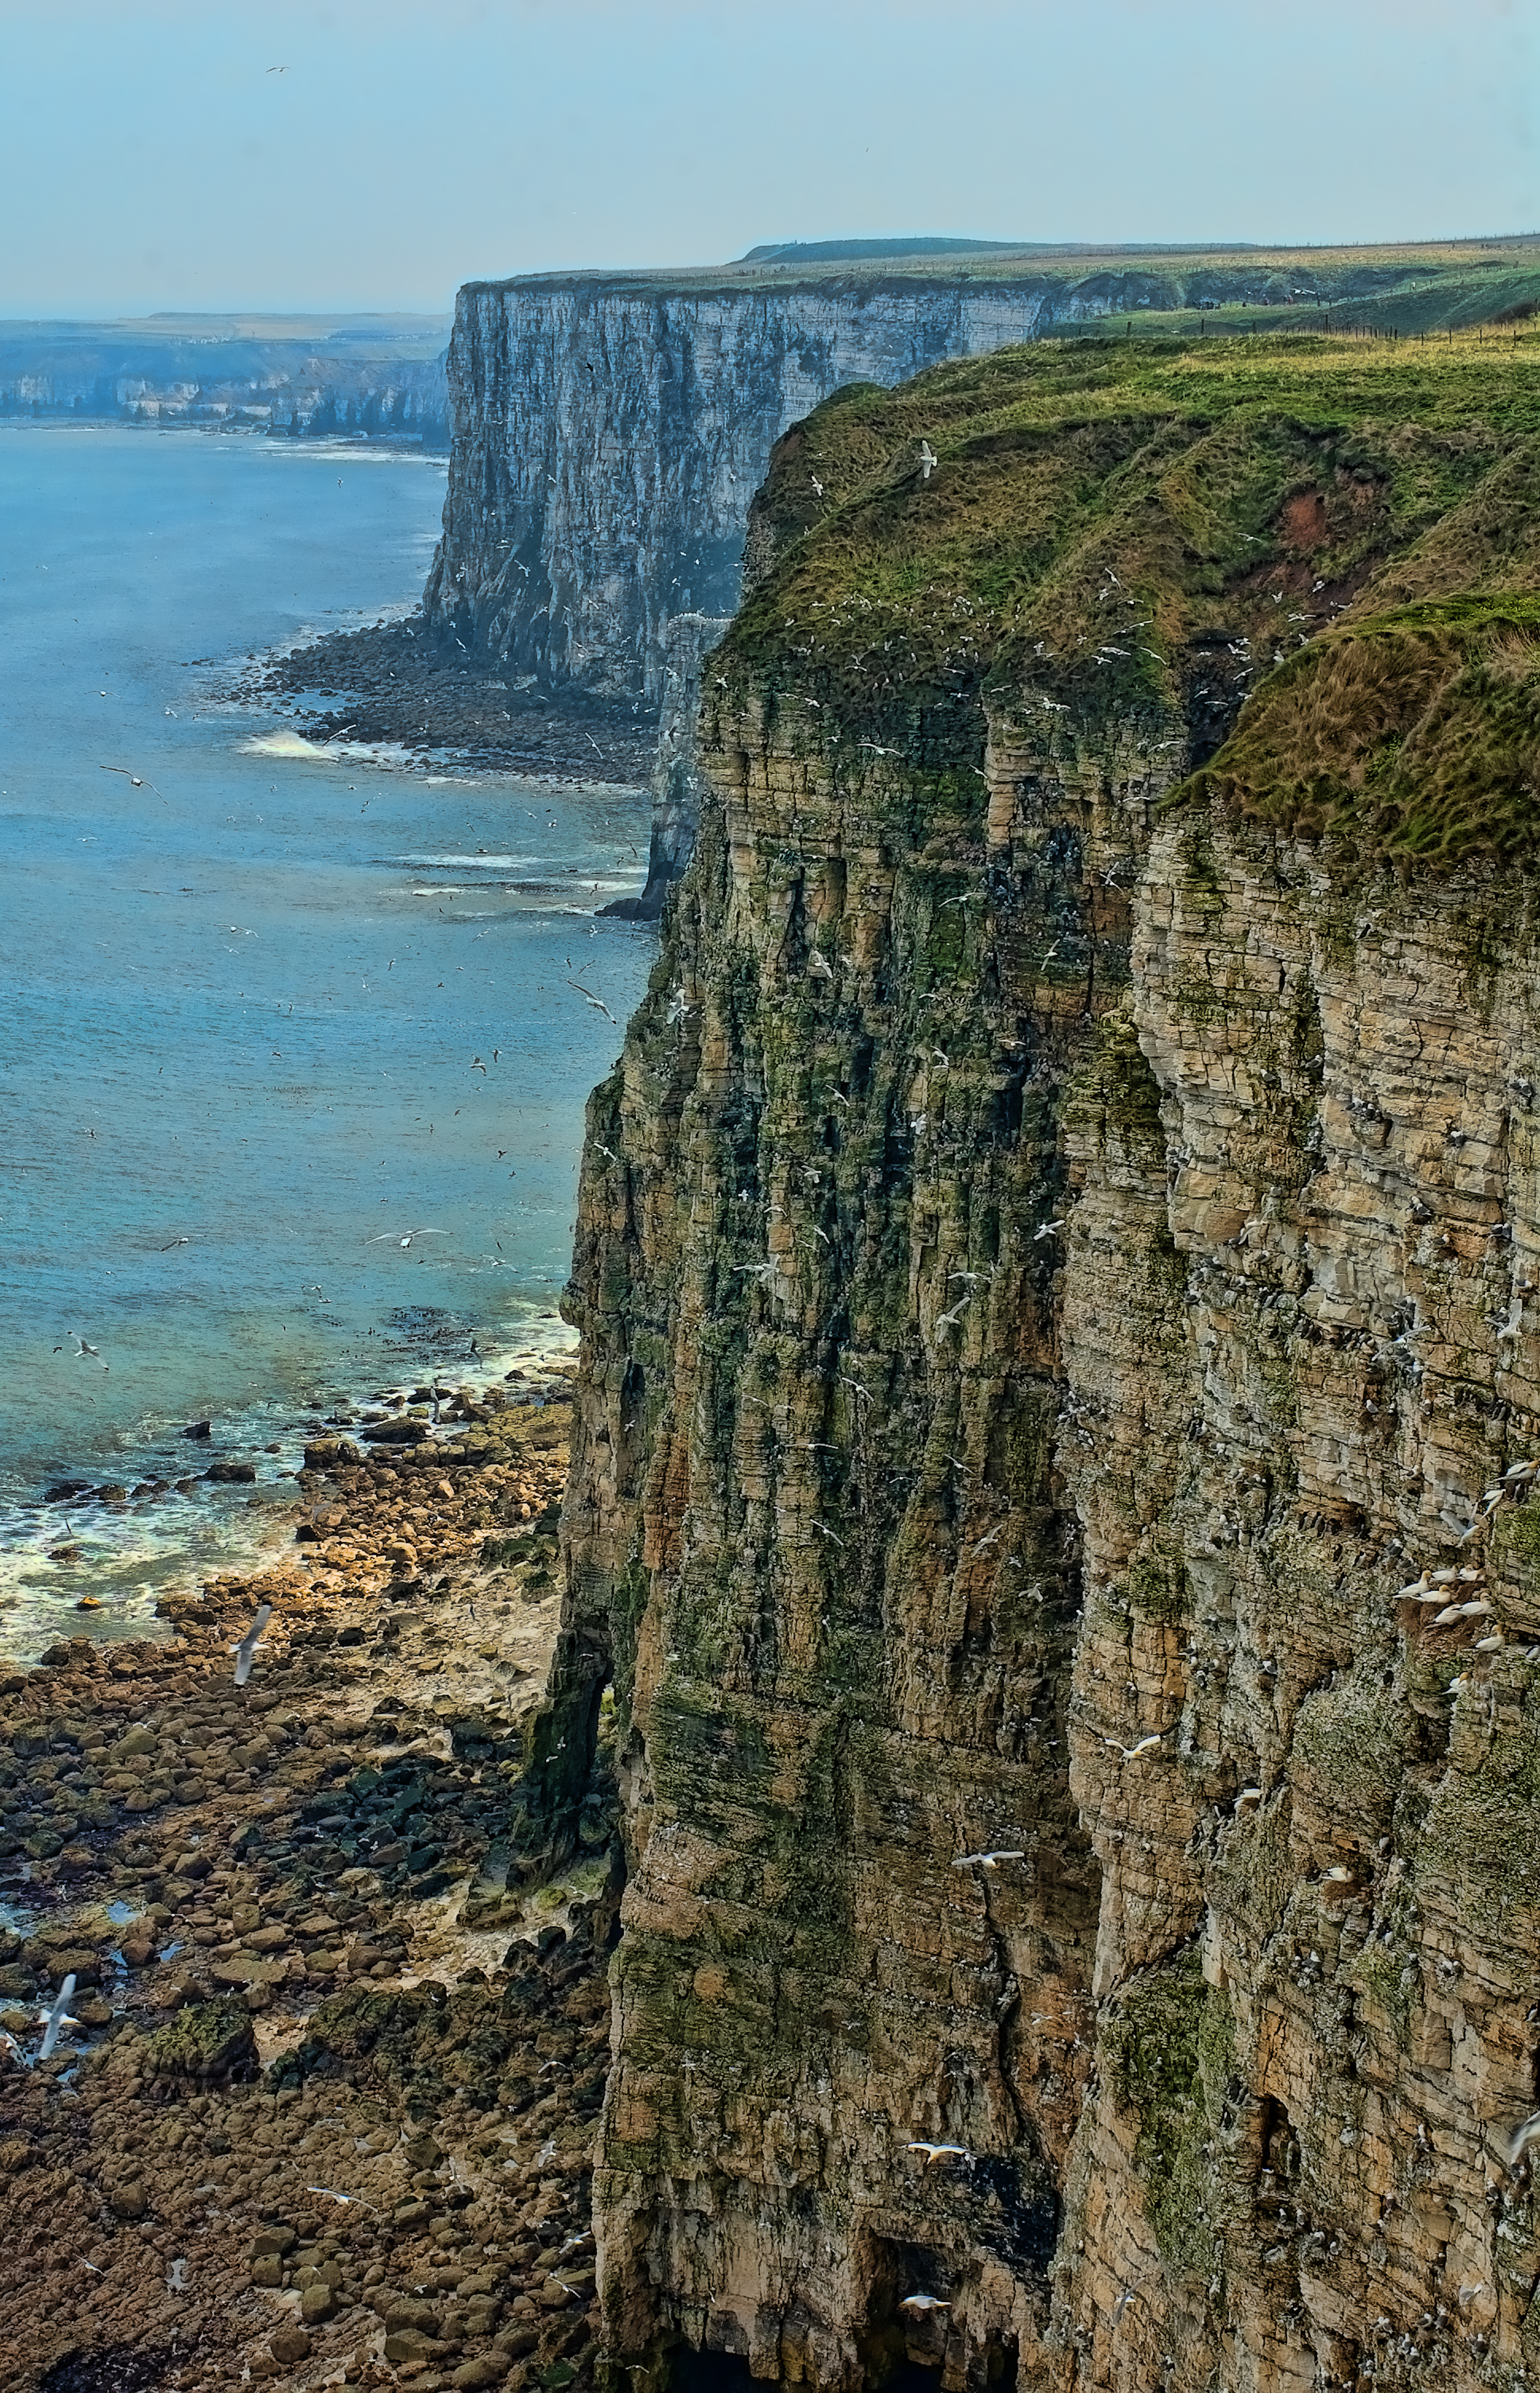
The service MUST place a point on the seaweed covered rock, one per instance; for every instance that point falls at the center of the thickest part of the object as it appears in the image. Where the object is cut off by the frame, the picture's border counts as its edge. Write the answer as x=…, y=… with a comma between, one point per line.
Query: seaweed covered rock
x=207, y=2042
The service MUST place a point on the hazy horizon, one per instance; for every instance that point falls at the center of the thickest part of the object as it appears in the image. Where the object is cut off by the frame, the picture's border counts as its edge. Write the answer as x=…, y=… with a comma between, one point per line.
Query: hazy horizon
x=357, y=159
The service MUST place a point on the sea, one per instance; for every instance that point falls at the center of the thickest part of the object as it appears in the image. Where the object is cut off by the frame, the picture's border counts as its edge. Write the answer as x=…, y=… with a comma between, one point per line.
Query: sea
x=297, y=1037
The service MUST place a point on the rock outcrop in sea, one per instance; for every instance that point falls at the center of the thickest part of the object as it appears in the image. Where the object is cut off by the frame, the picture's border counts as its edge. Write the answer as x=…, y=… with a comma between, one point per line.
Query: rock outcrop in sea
x=1061, y=1384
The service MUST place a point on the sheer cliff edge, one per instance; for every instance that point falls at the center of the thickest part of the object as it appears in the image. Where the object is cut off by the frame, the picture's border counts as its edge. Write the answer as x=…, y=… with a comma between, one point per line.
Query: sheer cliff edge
x=1057, y=1269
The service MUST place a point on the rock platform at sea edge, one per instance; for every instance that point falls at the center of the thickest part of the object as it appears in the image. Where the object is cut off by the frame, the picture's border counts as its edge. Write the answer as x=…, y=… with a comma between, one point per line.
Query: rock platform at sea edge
x=324, y=2106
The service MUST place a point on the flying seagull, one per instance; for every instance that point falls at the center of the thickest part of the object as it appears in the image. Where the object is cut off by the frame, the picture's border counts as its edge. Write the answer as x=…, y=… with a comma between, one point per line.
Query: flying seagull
x=245, y=1651
x=929, y=461
x=592, y=998
x=935, y=2152
x=920, y=2303
x=1133, y=1752
x=383, y=1238
x=58, y=2018
x=1510, y=2149
x=82, y=1348
x=987, y=1861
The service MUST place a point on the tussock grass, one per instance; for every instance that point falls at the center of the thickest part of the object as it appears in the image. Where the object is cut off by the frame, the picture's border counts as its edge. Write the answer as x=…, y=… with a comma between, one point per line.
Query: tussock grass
x=1412, y=738
x=1135, y=534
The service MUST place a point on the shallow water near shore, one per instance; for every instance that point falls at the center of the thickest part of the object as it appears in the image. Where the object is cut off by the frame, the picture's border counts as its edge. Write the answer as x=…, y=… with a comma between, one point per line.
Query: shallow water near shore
x=276, y=1010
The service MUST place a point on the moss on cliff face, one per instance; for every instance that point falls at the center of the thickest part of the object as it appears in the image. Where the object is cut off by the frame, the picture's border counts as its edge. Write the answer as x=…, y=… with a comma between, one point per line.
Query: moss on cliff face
x=1168, y=2051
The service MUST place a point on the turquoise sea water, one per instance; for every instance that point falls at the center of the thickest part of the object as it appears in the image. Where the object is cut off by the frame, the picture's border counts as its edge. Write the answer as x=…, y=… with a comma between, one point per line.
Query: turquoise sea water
x=264, y=1014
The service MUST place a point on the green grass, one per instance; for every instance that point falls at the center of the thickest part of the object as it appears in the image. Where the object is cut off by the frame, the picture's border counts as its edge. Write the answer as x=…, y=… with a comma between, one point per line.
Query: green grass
x=1123, y=540
x=1413, y=737
x=1411, y=287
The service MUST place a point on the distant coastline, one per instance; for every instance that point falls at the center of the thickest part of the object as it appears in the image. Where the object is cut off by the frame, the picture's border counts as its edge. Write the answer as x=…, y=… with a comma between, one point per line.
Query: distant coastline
x=379, y=379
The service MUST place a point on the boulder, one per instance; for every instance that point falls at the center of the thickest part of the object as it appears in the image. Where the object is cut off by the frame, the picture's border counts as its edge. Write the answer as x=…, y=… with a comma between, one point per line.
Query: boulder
x=206, y=2040
x=408, y=2343
x=397, y=1433
x=248, y=1970
x=405, y=2315
x=331, y=1453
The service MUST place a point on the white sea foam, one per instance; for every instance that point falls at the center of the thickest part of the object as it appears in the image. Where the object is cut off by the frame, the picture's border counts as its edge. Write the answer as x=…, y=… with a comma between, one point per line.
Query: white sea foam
x=128, y=1554
x=292, y=747
x=483, y=863
x=287, y=743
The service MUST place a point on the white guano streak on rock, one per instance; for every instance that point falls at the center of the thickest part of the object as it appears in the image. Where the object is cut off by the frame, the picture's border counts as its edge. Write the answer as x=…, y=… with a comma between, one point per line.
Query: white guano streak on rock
x=1280, y=1325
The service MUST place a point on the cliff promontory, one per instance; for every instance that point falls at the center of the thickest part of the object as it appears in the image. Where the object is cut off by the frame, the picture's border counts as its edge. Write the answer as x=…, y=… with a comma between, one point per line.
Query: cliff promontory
x=610, y=430
x=1057, y=1268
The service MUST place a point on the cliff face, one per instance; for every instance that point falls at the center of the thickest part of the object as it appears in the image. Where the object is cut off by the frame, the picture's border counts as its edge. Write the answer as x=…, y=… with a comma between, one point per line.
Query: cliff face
x=1055, y=1263
x=607, y=442
x=1309, y=1260
x=677, y=782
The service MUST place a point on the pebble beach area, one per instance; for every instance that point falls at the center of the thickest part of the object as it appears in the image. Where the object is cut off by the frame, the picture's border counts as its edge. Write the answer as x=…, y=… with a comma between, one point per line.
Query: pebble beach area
x=324, y=2109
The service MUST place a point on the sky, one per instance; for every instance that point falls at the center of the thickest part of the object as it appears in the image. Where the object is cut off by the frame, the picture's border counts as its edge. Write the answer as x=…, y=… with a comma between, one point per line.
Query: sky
x=155, y=157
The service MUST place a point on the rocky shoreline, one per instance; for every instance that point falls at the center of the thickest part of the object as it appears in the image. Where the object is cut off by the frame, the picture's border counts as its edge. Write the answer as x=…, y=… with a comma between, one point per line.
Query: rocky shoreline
x=388, y=684
x=325, y=2109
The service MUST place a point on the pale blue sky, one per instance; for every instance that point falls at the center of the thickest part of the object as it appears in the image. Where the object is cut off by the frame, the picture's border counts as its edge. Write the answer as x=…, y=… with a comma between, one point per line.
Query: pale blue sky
x=148, y=157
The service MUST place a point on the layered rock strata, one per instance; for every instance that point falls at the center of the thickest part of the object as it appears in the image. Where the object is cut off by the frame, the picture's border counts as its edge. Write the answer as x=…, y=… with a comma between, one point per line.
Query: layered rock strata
x=1304, y=1233
x=1053, y=1266
x=677, y=785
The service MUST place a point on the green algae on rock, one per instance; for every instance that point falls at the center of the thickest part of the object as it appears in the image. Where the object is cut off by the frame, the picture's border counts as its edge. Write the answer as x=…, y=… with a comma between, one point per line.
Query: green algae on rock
x=206, y=2040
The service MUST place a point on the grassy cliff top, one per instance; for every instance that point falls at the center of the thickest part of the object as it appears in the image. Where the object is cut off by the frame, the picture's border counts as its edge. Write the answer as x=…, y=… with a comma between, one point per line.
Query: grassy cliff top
x=1410, y=286
x=1122, y=528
